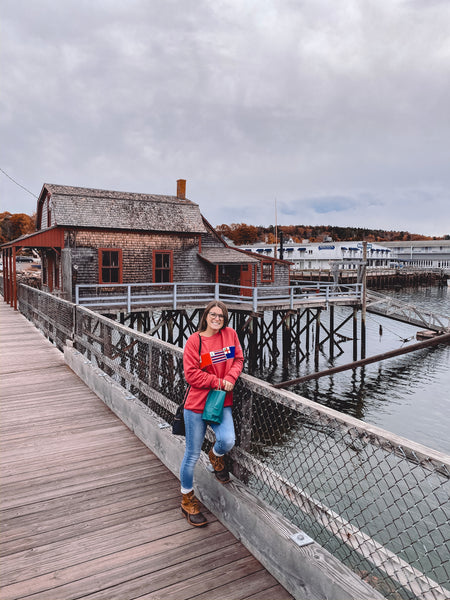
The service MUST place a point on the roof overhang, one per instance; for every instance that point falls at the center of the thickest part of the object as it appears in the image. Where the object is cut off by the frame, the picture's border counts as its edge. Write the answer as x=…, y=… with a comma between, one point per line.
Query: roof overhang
x=226, y=256
x=48, y=238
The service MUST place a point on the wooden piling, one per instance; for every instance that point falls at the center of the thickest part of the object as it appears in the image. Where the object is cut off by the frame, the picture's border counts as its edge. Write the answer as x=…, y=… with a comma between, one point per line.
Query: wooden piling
x=331, y=308
x=317, y=339
x=440, y=339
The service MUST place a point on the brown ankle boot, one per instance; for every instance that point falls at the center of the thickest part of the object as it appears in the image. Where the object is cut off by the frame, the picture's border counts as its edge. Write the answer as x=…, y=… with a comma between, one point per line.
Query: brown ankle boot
x=220, y=470
x=190, y=507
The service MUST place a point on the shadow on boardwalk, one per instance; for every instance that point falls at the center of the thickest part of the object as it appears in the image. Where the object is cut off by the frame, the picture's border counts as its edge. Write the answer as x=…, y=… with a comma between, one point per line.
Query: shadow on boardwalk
x=87, y=511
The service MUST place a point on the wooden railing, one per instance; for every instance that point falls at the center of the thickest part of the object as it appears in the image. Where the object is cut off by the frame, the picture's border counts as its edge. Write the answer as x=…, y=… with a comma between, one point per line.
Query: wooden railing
x=180, y=295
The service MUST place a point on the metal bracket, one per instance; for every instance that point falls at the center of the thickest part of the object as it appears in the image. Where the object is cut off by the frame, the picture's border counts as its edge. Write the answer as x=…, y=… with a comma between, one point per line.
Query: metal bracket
x=301, y=539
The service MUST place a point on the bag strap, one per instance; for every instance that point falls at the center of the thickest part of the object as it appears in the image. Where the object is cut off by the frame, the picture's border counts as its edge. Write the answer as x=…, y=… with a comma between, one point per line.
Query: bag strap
x=200, y=358
x=212, y=366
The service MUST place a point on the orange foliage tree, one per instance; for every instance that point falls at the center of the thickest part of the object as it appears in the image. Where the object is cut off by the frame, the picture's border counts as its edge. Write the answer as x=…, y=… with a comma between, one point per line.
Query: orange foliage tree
x=13, y=226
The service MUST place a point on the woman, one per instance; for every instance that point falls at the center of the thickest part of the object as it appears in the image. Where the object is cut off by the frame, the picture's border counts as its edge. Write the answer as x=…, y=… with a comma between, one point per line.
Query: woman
x=212, y=359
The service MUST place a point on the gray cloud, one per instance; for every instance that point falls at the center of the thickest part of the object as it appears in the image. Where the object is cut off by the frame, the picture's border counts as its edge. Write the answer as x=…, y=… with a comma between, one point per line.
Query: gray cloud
x=340, y=111
x=332, y=204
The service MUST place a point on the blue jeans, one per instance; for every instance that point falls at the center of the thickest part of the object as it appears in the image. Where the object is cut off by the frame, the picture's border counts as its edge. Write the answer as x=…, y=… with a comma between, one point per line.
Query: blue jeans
x=195, y=434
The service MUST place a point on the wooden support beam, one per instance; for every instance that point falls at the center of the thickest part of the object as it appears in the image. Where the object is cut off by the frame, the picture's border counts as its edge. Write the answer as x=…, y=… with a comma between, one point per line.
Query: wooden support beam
x=439, y=339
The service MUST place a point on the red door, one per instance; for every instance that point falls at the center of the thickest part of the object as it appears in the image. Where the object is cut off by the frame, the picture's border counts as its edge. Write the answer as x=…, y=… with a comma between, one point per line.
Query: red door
x=246, y=280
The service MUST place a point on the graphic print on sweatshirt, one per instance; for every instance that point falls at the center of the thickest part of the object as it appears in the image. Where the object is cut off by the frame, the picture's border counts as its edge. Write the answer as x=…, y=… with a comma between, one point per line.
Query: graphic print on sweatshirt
x=217, y=356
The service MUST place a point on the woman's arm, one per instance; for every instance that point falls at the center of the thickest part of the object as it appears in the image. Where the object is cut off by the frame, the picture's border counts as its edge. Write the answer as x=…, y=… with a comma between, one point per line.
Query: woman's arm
x=195, y=376
x=237, y=364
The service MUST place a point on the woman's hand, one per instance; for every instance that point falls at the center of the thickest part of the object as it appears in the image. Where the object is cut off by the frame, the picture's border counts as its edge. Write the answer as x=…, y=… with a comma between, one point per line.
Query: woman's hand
x=227, y=385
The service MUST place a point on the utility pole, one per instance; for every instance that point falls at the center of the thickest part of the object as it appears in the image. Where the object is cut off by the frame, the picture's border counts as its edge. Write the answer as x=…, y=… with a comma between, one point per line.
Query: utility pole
x=276, y=231
x=364, y=302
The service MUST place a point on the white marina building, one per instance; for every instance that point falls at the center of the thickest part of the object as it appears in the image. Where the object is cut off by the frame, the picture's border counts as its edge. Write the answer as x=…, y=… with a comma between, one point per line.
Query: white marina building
x=321, y=256
x=422, y=254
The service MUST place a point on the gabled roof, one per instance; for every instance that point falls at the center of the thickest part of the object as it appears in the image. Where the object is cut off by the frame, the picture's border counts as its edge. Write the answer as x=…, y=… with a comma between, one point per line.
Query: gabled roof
x=86, y=207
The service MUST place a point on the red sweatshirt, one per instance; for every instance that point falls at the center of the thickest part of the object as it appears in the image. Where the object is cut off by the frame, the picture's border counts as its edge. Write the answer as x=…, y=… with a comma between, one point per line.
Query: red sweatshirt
x=221, y=358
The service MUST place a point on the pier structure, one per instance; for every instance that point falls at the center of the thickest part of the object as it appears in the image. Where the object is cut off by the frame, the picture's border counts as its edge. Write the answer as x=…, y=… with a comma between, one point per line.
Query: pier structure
x=277, y=326
x=380, y=279
x=383, y=536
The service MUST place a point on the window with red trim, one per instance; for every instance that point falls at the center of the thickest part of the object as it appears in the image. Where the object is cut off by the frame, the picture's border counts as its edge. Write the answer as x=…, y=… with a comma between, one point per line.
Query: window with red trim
x=162, y=266
x=110, y=265
x=267, y=271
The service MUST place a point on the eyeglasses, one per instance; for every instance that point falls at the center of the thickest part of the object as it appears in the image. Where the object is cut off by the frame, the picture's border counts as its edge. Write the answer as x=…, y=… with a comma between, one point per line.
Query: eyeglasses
x=216, y=316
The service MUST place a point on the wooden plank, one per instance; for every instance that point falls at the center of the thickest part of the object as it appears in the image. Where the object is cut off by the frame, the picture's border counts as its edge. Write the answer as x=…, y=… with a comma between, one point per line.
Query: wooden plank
x=83, y=547
x=85, y=499
x=15, y=494
x=204, y=578
x=89, y=576
x=97, y=522
x=274, y=592
x=73, y=513
x=185, y=579
x=248, y=585
x=18, y=471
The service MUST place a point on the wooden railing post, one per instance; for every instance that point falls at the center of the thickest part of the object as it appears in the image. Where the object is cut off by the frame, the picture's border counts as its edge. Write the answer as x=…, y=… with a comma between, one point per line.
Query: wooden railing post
x=255, y=299
x=174, y=296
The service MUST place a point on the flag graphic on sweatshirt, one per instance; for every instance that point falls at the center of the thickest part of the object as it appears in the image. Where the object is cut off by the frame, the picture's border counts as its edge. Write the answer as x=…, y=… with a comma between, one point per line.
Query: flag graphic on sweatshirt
x=218, y=356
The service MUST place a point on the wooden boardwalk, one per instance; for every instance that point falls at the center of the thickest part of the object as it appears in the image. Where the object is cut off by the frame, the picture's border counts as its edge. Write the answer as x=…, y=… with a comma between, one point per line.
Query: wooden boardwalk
x=87, y=511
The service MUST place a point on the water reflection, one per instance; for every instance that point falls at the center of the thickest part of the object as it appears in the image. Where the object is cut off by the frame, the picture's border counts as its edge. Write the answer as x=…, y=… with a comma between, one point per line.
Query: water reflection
x=408, y=395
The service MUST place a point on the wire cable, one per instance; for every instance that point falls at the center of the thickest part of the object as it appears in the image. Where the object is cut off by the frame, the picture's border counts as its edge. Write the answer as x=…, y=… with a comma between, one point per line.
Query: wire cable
x=402, y=339
x=14, y=181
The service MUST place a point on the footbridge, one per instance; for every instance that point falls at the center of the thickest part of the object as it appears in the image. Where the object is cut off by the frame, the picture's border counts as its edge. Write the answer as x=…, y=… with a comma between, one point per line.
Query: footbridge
x=332, y=507
x=388, y=306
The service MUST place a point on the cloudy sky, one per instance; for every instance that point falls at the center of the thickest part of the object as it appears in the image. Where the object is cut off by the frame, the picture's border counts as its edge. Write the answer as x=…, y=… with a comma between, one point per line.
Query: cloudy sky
x=337, y=110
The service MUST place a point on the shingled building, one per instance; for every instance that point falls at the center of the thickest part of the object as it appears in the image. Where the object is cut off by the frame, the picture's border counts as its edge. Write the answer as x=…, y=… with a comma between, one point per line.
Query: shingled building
x=91, y=236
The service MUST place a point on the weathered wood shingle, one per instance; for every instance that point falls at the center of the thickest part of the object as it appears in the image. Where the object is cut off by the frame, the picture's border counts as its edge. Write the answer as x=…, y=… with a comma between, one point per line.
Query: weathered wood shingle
x=85, y=207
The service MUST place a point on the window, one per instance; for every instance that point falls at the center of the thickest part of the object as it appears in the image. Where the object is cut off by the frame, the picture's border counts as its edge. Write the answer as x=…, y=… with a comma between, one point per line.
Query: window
x=267, y=271
x=162, y=266
x=49, y=211
x=110, y=265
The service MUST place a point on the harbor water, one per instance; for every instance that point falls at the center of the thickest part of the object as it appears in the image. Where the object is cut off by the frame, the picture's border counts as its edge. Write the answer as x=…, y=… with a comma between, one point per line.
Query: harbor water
x=408, y=395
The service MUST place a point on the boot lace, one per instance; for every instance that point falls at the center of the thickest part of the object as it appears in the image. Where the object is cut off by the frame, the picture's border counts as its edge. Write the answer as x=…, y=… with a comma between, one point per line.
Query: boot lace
x=195, y=504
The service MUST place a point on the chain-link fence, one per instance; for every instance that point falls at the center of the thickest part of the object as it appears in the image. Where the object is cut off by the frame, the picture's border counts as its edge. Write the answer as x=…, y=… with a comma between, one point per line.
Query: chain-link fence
x=377, y=502
x=52, y=315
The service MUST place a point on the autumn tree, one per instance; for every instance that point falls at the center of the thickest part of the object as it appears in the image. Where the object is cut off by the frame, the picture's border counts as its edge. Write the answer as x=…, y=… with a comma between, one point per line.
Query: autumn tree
x=241, y=233
x=13, y=226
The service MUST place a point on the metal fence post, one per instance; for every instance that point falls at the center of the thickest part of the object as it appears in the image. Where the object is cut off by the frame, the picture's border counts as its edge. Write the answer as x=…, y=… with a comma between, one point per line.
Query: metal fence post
x=77, y=294
x=174, y=296
x=129, y=298
x=216, y=291
x=255, y=299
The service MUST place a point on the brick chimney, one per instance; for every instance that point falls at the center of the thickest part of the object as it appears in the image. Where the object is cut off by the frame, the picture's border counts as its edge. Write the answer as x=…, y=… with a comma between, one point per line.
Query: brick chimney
x=181, y=189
